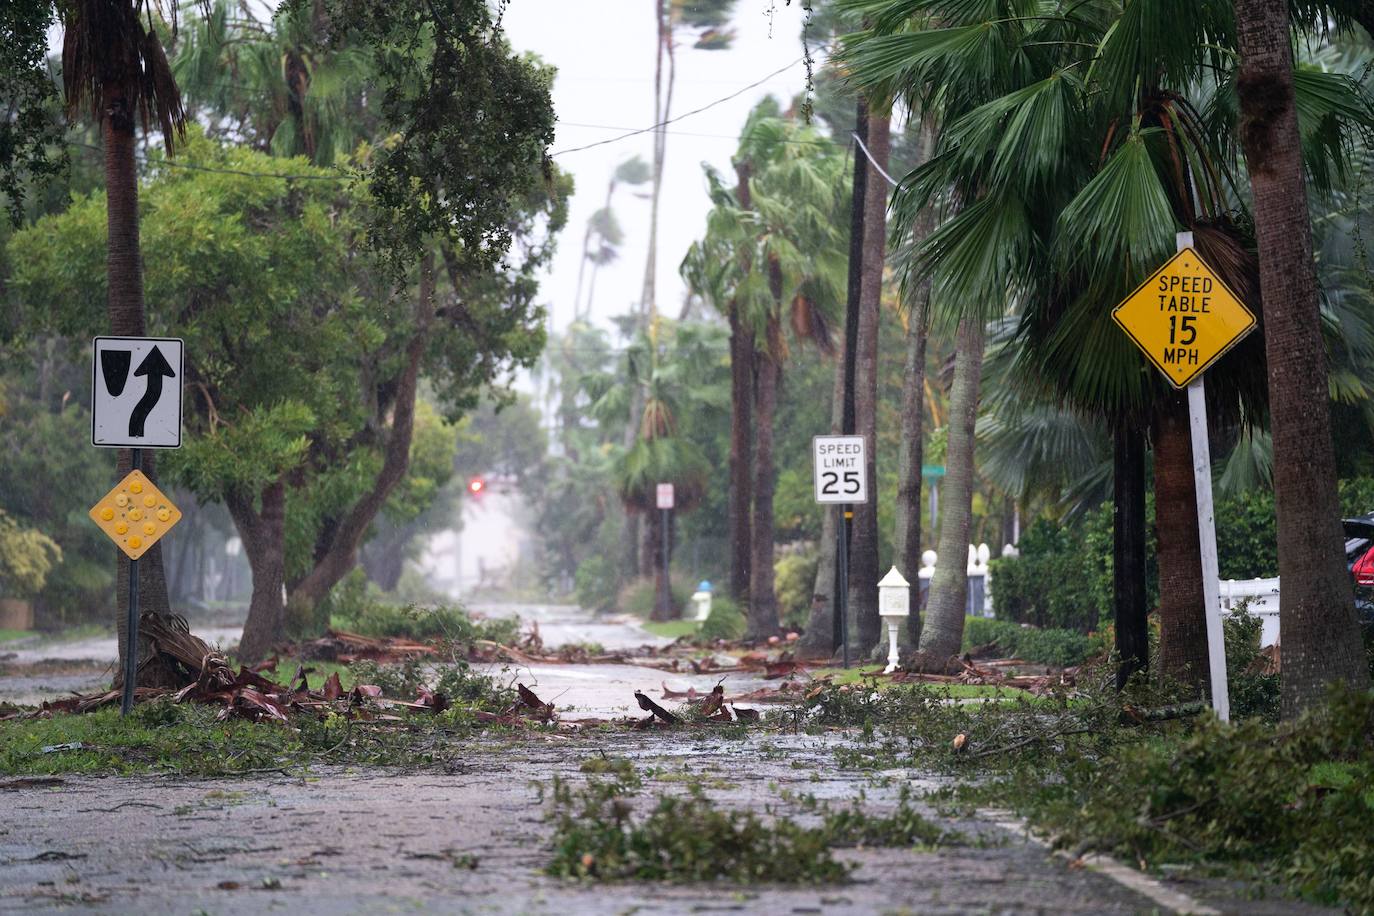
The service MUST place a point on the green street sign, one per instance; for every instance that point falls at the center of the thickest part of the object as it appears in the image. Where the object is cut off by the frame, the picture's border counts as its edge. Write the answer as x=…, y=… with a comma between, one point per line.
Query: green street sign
x=932, y=470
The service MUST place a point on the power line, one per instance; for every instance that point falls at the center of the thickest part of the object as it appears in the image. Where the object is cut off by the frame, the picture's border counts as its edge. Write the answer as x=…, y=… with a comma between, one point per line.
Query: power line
x=873, y=162
x=576, y=149
x=685, y=114
x=819, y=141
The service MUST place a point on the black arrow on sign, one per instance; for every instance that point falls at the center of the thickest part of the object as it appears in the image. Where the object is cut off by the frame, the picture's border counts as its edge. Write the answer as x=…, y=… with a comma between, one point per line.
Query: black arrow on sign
x=154, y=366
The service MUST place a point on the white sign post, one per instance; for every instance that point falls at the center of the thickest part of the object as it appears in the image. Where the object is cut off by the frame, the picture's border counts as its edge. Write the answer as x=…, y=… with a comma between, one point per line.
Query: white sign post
x=1207, y=534
x=664, y=496
x=136, y=392
x=840, y=474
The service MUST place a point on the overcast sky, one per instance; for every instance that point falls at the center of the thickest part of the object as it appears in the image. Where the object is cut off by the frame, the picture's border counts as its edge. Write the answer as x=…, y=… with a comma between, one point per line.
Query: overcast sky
x=604, y=52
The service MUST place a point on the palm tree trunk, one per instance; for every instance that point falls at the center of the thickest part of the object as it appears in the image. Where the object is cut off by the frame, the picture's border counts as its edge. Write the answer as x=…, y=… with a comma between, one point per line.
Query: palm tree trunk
x=763, y=605
x=1128, y=550
x=124, y=305
x=1321, y=642
x=818, y=639
x=1182, y=613
x=863, y=577
x=943, y=629
x=741, y=498
x=906, y=541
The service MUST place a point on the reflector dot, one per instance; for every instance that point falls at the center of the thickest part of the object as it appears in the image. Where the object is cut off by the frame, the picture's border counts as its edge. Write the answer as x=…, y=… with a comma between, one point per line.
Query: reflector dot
x=150, y=501
x=136, y=514
x=163, y=515
x=135, y=542
x=107, y=513
x=121, y=528
x=121, y=500
x=136, y=487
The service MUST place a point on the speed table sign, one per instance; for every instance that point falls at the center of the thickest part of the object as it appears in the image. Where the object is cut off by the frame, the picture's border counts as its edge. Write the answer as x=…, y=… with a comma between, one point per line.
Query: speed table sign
x=1184, y=318
x=841, y=469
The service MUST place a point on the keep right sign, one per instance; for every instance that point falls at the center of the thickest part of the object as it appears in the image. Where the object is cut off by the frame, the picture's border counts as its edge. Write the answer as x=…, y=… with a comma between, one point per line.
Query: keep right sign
x=1184, y=318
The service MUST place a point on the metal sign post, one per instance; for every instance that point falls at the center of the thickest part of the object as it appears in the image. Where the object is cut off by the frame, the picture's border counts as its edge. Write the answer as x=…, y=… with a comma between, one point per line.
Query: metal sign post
x=665, y=499
x=126, y=698
x=124, y=414
x=840, y=477
x=1184, y=317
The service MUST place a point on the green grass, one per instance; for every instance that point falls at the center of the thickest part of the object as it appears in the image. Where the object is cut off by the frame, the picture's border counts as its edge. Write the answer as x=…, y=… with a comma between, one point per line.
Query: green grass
x=11, y=635
x=670, y=629
x=855, y=675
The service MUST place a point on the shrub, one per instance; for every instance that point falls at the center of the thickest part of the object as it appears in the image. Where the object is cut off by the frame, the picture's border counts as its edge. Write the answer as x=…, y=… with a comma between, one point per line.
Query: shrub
x=444, y=622
x=597, y=836
x=595, y=583
x=726, y=621
x=641, y=595
x=1062, y=577
x=1057, y=647
x=1252, y=694
x=795, y=581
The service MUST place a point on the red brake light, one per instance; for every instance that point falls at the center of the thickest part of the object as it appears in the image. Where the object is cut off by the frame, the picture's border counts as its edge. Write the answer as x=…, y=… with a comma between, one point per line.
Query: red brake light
x=476, y=485
x=1364, y=568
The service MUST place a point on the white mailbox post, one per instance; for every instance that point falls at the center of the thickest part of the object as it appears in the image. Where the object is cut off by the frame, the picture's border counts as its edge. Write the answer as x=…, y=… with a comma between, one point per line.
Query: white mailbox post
x=894, y=603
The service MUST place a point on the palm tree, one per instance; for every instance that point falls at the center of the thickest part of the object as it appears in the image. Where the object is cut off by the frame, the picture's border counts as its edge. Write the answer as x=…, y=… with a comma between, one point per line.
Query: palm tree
x=113, y=64
x=1063, y=224
x=771, y=255
x=707, y=20
x=1321, y=639
x=675, y=371
x=605, y=229
x=280, y=86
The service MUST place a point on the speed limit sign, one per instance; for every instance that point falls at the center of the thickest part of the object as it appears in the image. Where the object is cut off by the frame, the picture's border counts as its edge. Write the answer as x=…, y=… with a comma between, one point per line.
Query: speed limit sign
x=841, y=471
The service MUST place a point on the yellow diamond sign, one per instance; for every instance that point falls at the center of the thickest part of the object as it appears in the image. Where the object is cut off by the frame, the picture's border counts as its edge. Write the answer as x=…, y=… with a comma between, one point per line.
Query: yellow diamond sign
x=135, y=514
x=1184, y=317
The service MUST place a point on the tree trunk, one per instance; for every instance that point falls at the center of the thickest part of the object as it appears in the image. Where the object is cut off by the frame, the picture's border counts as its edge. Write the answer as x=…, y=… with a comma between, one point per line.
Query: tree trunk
x=341, y=554
x=124, y=306
x=1182, y=614
x=818, y=640
x=906, y=539
x=741, y=495
x=1321, y=641
x=1128, y=550
x=763, y=604
x=864, y=572
x=264, y=543
x=943, y=630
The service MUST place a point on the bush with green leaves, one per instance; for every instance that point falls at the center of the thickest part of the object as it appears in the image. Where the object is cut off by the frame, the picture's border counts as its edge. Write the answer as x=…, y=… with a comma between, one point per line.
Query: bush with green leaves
x=355, y=609
x=795, y=583
x=726, y=621
x=1252, y=693
x=598, y=836
x=596, y=583
x=641, y=596
x=1062, y=577
x=1047, y=646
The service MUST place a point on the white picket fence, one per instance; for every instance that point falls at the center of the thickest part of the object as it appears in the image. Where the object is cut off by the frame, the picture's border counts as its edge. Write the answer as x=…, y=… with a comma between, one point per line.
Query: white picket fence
x=979, y=600
x=1262, y=595
x=1263, y=598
